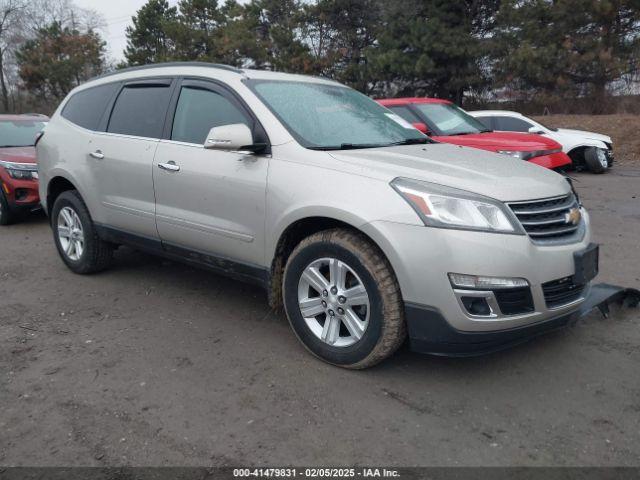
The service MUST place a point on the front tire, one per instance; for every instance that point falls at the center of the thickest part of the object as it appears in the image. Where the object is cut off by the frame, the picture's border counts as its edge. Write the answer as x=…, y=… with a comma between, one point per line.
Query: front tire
x=343, y=300
x=74, y=232
x=596, y=160
x=7, y=217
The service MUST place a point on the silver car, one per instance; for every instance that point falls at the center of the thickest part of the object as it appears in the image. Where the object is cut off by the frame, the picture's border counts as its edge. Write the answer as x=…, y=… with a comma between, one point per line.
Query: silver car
x=363, y=229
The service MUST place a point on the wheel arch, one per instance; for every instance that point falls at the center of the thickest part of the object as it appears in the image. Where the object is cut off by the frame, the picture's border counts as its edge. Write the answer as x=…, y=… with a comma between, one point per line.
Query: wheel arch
x=296, y=231
x=56, y=186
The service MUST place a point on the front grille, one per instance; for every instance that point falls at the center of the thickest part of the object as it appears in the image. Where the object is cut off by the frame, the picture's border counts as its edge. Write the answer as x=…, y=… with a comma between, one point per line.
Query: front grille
x=547, y=219
x=514, y=301
x=562, y=291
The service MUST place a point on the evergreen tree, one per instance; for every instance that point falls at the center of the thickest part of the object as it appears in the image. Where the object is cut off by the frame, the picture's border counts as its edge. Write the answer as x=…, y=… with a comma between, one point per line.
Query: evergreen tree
x=196, y=30
x=149, y=40
x=435, y=47
x=567, y=48
x=340, y=34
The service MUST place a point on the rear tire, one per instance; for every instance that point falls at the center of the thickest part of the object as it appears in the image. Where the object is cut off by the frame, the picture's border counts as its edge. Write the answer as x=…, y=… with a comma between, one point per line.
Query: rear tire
x=596, y=160
x=358, y=319
x=74, y=233
x=7, y=217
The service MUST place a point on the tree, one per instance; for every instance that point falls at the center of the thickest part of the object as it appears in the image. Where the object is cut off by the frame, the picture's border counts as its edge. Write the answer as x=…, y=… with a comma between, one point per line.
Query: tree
x=567, y=47
x=340, y=34
x=148, y=39
x=10, y=23
x=277, y=28
x=58, y=59
x=435, y=46
x=195, y=30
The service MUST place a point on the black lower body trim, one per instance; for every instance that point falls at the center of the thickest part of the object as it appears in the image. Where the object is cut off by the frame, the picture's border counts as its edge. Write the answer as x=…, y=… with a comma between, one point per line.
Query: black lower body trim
x=429, y=331
x=225, y=266
x=24, y=207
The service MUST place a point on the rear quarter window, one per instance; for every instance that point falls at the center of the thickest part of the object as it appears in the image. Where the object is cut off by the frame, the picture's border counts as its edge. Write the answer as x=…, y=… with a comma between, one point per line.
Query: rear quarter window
x=86, y=107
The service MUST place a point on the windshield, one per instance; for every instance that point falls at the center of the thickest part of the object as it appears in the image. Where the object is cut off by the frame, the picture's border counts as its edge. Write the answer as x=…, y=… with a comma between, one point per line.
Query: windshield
x=553, y=129
x=447, y=119
x=19, y=133
x=331, y=117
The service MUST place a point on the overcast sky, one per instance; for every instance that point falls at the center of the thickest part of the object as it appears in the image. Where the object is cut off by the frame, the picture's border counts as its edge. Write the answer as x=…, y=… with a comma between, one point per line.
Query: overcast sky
x=117, y=15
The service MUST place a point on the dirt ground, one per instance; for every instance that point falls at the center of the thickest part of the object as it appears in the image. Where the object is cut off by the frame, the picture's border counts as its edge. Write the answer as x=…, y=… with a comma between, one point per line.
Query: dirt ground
x=154, y=363
x=623, y=129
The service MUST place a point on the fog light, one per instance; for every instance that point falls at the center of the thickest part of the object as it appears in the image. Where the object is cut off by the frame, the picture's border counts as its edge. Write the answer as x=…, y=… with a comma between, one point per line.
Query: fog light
x=21, y=194
x=476, y=305
x=474, y=282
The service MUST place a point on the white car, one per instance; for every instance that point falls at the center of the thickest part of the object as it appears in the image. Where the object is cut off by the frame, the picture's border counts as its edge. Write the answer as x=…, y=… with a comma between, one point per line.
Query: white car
x=588, y=150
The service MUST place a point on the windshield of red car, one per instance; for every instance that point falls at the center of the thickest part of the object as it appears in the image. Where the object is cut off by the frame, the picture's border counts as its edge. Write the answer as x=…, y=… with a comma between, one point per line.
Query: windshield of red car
x=19, y=133
x=447, y=119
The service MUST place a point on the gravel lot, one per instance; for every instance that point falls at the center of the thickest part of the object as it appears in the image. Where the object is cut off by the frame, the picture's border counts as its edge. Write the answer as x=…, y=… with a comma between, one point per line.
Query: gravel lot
x=155, y=363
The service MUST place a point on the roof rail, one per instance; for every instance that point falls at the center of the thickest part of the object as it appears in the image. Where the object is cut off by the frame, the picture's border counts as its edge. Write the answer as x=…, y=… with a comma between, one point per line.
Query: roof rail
x=218, y=66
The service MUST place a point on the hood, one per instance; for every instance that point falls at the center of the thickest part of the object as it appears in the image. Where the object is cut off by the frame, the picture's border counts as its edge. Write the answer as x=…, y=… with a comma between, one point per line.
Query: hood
x=497, y=176
x=18, y=154
x=495, y=141
x=585, y=135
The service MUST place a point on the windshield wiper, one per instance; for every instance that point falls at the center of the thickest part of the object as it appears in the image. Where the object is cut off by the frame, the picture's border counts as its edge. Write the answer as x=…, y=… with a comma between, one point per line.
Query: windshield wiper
x=462, y=133
x=411, y=141
x=348, y=146
x=355, y=146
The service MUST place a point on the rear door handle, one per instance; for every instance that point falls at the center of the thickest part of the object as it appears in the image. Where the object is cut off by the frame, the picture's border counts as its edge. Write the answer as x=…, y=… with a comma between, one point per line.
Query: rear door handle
x=97, y=154
x=169, y=166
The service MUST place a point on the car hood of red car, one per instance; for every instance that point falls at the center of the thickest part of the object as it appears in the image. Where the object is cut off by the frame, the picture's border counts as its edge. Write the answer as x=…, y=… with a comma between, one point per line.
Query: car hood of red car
x=494, y=141
x=18, y=154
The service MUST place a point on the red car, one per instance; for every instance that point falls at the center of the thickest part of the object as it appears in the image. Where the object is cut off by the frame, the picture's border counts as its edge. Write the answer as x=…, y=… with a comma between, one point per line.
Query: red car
x=448, y=123
x=18, y=169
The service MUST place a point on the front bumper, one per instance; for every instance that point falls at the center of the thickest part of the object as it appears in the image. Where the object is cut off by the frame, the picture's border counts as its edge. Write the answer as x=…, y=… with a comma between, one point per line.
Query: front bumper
x=429, y=332
x=553, y=161
x=422, y=258
x=20, y=194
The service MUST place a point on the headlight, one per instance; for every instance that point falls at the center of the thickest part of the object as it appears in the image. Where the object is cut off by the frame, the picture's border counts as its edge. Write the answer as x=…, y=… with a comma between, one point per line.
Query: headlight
x=22, y=174
x=20, y=171
x=515, y=154
x=446, y=207
x=530, y=154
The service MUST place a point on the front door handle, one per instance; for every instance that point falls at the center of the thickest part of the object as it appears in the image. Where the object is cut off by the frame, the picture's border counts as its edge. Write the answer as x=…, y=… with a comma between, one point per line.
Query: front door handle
x=97, y=154
x=169, y=166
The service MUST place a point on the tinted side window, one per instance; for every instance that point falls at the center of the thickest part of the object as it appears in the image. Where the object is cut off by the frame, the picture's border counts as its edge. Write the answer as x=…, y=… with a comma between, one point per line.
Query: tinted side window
x=509, y=124
x=86, y=108
x=140, y=111
x=487, y=122
x=405, y=113
x=198, y=111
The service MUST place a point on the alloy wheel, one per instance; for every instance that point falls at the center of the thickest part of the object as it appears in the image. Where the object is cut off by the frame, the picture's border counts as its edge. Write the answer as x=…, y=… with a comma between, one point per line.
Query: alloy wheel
x=333, y=302
x=70, y=234
x=602, y=158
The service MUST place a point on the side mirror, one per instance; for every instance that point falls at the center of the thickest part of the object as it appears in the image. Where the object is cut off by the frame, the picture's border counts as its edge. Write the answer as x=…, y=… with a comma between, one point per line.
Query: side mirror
x=536, y=130
x=236, y=137
x=421, y=127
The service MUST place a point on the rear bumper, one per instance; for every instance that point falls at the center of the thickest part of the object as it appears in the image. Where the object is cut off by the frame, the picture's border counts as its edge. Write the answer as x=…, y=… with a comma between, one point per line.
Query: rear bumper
x=429, y=331
x=555, y=160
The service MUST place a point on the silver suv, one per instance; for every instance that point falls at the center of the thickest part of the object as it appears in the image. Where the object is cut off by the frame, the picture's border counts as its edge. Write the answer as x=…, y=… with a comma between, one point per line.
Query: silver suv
x=362, y=228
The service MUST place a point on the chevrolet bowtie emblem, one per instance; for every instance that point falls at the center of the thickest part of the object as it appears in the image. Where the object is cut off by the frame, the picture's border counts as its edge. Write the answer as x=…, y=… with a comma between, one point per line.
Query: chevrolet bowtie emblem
x=573, y=216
